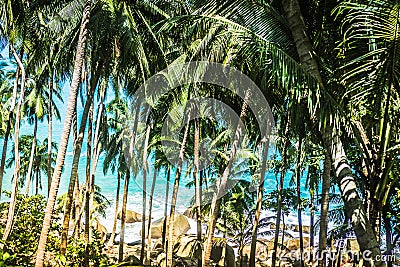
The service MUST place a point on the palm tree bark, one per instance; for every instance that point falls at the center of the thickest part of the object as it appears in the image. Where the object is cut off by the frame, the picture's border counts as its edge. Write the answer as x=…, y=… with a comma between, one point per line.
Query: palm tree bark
x=299, y=220
x=128, y=158
x=114, y=229
x=55, y=181
x=280, y=189
x=8, y=129
x=323, y=225
x=166, y=207
x=50, y=131
x=217, y=196
x=123, y=217
x=89, y=186
x=29, y=174
x=153, y=185
x=75, y=163
x=198, y=188
x=145, y=147
x=260, y=194
x=11, y=210
x=170, y=241
x=345, y=178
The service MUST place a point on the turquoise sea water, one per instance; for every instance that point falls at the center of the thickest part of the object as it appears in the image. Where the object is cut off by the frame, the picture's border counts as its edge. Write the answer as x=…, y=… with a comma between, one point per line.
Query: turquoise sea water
x=108, y=181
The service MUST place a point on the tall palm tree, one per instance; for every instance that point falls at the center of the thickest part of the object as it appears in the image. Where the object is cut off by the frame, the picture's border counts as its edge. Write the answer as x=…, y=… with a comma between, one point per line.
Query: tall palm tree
x=323, y=225
x=346, y=181
x=286, y=125
x=77, y=73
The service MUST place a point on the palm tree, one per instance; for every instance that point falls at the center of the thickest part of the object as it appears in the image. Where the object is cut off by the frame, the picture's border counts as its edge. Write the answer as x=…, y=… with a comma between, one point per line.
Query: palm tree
x=38, y=165
x=346, y=181
x=323, y=225
x=38, y=100
x=286, y=125
x=143, y=260
x=14, y=191
x=77, y=73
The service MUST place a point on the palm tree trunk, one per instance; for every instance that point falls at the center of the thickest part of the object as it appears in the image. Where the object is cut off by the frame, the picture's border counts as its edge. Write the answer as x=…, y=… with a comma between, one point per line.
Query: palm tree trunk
x=215, y=204
x=4, y=151
x=153, y=185
x=198, y=188
x=145, y=147
x=389, y=241
x=128, y=158
x=37, y=181
x=11, y=210
x=260, y=193
x=78, y=205
x=50, y=131
x=75, y=163
x=55, y=181
x=299, y=220
x=280, y=189
x=323, y=225
x=123, y=218
x=114, y=229
x=170, y=240
x=29, y=174
x=97, y=144
x=312, y=222
x=352, y=202
x=9, y=120
x=166, y=206
x=89, y=188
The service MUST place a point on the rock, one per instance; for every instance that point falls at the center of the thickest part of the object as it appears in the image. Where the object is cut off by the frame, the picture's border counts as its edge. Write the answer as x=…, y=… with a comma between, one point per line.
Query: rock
x=181, y=226
x=101, y=229
x=190, y=213
x=306, y=229
x=186, y=247
x=131, y=216
x=263, y=246
x=294, y=244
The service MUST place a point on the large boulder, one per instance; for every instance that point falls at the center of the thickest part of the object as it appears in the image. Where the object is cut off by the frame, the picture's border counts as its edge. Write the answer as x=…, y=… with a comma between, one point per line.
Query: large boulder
x=306, y=229
x=294, y=243
x=181, y=226
x=101, y=229
x=186, y=247
x=131, y=216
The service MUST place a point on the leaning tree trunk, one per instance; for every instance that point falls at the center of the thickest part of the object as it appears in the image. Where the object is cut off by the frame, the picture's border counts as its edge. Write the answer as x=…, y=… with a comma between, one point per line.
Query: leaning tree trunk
x=31, y=158
x=170, y=241
x=323, y=222
x=312, y=219
x=299, y=220
x=11, y=210
x=55, y=181
x=198, y=190
x=114, y=229
x=8, y=128
x=88, y=191
x=145, y=147
x=345, y=178
x=216, y=200
x=96, y=144
x=50, y=131
x=128, y=160
x=123, y=217
x=260, y=194
x=153, y=185
x=75, y=163
x=280, y=189
x=166, y=207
